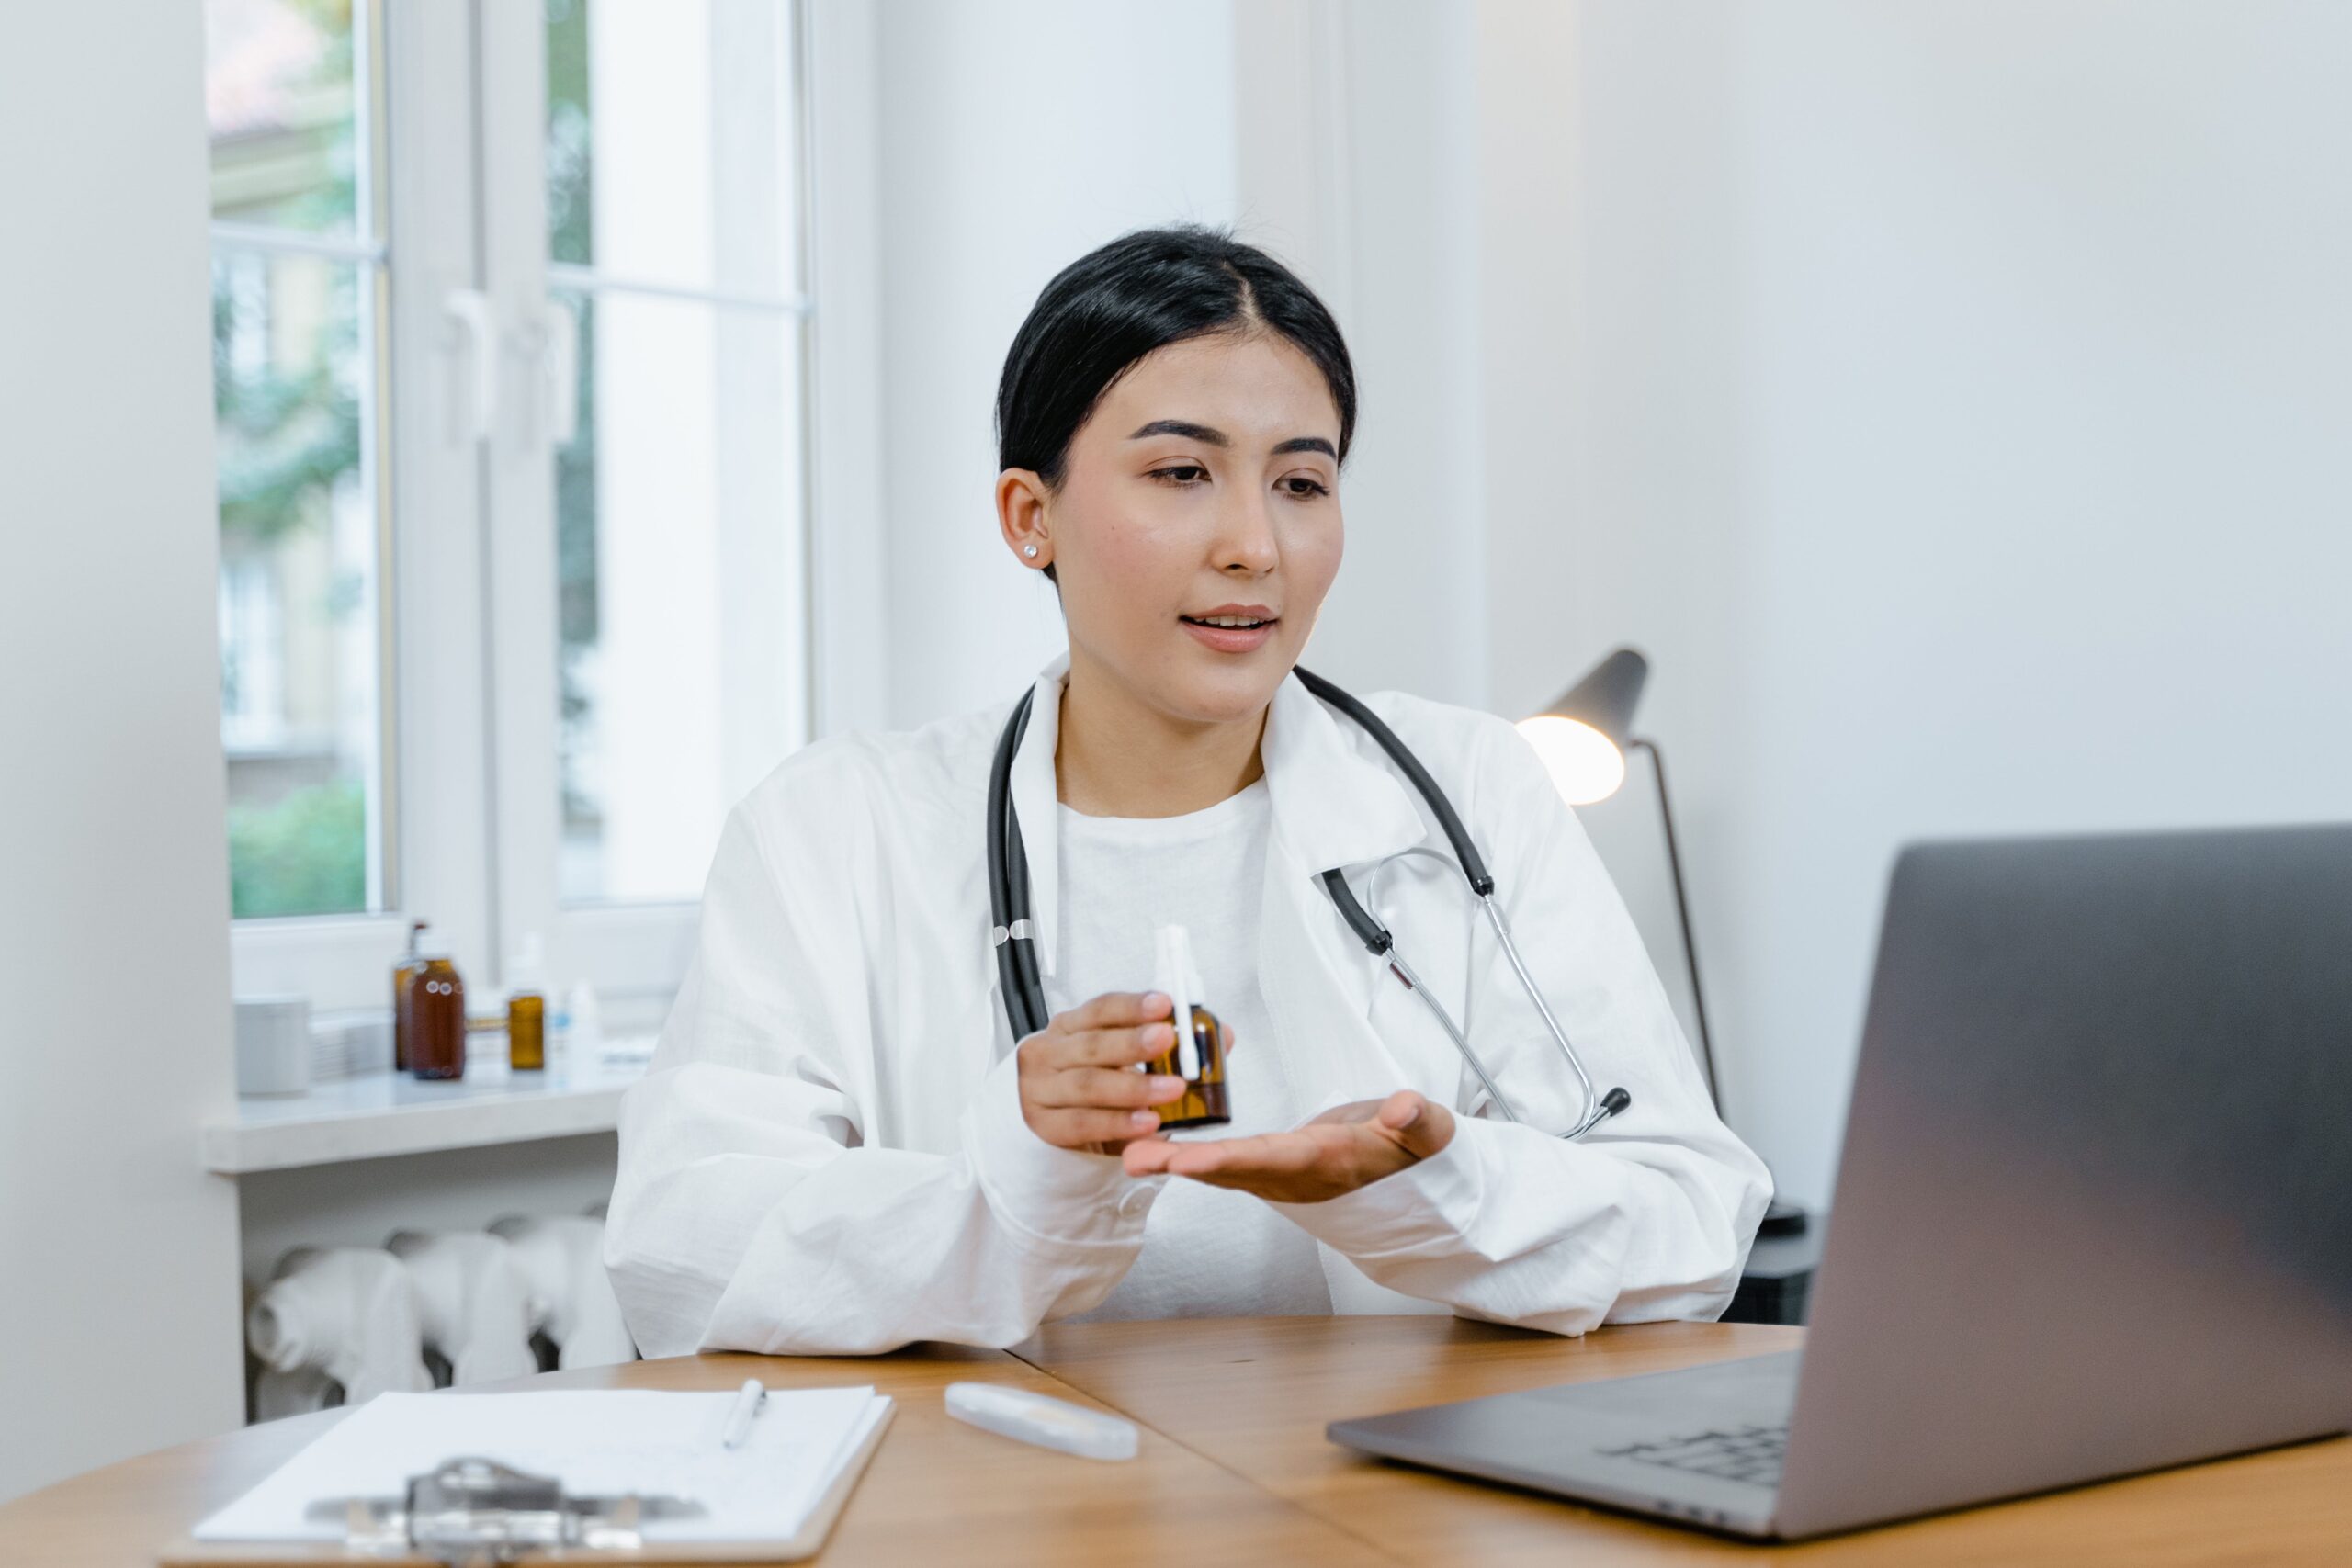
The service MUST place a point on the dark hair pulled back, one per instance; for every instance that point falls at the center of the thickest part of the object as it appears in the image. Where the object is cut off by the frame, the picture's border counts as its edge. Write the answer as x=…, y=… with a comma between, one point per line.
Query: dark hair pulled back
x=1143, y=291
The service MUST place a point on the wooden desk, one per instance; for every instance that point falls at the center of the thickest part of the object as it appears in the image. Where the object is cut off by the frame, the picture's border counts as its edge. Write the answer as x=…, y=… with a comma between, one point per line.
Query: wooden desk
x=1255, y=1393
x=1234, y=1467
x=938, y=1492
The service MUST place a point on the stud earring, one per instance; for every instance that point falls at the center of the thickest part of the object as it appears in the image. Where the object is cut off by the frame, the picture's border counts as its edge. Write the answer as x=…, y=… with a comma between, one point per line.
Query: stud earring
x=1029, y=550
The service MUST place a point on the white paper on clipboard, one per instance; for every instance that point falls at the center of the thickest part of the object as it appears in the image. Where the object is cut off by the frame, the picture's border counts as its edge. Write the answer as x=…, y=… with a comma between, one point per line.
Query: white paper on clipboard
x=603, y=1442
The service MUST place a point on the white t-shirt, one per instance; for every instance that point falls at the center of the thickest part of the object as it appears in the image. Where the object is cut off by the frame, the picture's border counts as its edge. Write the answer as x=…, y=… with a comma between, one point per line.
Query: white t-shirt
x=1207, y=1252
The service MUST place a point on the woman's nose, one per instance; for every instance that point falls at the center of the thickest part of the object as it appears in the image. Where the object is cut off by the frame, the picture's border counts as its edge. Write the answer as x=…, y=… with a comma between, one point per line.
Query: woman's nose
x=1246, y=537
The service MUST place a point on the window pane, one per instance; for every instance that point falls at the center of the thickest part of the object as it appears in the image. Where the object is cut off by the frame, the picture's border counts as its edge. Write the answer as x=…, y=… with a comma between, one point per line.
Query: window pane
x=670, y=143
x=678, y=539
x=279, y=91
x=671, y=168
x=299, y=566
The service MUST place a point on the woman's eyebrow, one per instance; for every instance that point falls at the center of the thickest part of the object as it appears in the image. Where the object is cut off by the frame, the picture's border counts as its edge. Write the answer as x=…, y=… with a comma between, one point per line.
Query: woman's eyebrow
x=1183, y=428
x=1214, y=437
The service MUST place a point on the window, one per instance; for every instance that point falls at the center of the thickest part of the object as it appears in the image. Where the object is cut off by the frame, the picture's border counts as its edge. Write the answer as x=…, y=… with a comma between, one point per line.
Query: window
x=296, y=325
x=511, y=339
x=674, y=254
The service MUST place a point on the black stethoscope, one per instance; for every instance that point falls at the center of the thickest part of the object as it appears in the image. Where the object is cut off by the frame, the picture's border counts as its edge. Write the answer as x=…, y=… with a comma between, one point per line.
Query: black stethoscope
x=1013, y=934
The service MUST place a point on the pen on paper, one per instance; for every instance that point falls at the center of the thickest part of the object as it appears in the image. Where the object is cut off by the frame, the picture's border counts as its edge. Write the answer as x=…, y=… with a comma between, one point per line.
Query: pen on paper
x=748, y=1401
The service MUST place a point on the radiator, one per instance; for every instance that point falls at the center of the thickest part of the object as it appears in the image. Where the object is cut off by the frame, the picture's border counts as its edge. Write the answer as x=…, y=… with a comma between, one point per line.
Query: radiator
x=431, y=1309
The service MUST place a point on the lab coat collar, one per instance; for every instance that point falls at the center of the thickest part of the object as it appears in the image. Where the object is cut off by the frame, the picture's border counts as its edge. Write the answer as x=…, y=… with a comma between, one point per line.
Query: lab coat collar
x=1338, y=803
x=1333, y=804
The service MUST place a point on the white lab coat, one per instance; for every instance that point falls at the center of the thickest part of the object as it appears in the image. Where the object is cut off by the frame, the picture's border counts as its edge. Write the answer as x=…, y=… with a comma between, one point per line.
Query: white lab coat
x=827, y=1154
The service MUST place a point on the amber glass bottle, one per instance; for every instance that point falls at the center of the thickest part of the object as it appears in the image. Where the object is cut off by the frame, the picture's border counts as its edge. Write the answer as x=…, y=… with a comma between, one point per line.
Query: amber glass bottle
x=402, y=972
x=526, y=1011
x=436, y=1015
x=1198, y=1057
x=1203, y=1104
x=527, y=1032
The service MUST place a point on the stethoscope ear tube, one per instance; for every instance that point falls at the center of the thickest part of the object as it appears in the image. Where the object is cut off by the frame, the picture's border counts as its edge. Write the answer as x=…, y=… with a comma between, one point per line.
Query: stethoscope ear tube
x=1474, y=866
x=1022, y=942
x=1024, y=995
x=1371, y=932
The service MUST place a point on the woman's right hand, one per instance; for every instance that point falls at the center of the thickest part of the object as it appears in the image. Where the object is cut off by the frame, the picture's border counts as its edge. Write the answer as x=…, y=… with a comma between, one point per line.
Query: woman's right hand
x=1079, y=1087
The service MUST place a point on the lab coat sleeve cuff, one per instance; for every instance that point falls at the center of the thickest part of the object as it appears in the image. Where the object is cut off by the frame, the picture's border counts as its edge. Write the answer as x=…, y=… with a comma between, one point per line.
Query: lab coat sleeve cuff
x=1429, y=1206
x=1045, y=1196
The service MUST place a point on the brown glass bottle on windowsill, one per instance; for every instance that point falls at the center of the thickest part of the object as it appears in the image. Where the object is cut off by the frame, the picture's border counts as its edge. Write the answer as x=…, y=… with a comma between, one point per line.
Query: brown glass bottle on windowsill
x=436, y=1014
x=526, y=1010
x=402, y=972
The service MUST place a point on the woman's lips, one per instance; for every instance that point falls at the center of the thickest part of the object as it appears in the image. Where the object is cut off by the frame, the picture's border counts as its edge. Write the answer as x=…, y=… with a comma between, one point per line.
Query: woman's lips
x=1233, y=640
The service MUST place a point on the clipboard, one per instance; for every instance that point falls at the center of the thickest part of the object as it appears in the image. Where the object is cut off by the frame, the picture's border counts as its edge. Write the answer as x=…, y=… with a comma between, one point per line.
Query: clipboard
x=495, y=1539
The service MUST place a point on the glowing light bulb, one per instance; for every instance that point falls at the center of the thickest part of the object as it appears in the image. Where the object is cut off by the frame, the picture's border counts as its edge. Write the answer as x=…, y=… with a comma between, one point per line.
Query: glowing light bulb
x=1585, y=765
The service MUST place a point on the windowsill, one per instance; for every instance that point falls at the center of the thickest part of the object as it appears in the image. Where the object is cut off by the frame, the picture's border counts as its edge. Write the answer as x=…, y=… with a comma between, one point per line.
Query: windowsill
x=378, y=1114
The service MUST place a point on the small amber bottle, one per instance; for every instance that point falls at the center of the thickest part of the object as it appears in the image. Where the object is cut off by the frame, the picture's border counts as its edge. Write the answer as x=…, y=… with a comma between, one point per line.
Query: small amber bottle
x=436, y=1015
x=526, y=1012
x=402, y=972
x=1199, y=1060
x=1203, y=1104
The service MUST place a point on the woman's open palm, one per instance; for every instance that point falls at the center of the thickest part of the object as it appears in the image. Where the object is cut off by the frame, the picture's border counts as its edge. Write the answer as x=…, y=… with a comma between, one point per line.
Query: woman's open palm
x=1344, y=1148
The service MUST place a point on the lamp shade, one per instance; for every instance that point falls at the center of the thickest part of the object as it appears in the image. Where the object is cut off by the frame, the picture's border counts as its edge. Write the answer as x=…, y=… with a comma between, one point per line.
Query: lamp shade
x=1581, y=737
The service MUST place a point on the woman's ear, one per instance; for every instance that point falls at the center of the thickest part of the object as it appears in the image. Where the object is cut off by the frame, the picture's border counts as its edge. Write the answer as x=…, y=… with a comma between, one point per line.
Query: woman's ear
x=1020, y=497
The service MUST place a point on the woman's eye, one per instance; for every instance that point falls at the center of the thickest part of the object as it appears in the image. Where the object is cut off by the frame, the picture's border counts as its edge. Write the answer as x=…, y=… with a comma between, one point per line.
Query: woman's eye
x=1181, y=473
x=1301, y=485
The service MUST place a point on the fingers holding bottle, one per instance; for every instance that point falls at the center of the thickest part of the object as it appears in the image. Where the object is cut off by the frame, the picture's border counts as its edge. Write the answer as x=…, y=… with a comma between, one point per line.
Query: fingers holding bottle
x=1080, y=1084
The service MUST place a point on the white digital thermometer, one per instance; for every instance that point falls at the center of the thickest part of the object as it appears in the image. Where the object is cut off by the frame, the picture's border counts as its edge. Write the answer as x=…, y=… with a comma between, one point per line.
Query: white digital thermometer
x=1046, y=1422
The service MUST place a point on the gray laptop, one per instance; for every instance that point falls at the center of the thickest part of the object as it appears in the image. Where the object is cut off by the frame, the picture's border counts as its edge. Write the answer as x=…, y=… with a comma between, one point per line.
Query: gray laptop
x=2094, y=1213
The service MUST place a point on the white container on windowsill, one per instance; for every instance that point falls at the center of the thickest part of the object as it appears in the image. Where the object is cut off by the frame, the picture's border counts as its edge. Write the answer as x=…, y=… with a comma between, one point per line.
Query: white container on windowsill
x=487, y=1059
x=349, y=1042
x=273, y=1045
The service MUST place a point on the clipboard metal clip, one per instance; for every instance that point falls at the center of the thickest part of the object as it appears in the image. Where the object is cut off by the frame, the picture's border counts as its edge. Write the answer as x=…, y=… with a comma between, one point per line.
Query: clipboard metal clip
x=477, y=1511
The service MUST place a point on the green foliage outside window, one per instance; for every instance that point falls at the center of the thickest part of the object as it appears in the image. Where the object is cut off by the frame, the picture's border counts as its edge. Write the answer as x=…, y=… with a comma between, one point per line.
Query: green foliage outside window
x=302, y=854
x=288, y=436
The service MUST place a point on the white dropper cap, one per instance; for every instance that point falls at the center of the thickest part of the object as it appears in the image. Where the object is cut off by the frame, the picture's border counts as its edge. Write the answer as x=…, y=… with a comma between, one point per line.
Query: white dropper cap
x=1178, y=978
x=525, y=971
x=431, y=945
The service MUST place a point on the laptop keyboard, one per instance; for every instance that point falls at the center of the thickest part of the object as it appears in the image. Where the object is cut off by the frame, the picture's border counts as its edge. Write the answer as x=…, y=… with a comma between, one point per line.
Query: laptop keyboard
x=1749, y=1454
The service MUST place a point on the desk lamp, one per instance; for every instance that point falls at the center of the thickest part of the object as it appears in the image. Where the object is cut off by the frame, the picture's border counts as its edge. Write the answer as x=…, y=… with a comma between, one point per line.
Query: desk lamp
x=1582, y=740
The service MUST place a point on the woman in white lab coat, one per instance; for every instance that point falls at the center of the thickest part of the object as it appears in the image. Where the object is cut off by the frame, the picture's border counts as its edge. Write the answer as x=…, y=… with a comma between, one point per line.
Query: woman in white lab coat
x=841, y=1147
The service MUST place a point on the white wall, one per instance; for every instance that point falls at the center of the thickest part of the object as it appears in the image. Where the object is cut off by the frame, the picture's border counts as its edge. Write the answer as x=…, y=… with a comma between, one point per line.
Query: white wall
x=119, y=1302
x=1015, y=138
x=1959, y=404
x=1357, y=163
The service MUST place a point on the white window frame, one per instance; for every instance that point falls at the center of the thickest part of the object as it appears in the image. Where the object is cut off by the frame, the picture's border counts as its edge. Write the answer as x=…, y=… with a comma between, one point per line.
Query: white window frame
x=470, y=829
x=428, y=515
